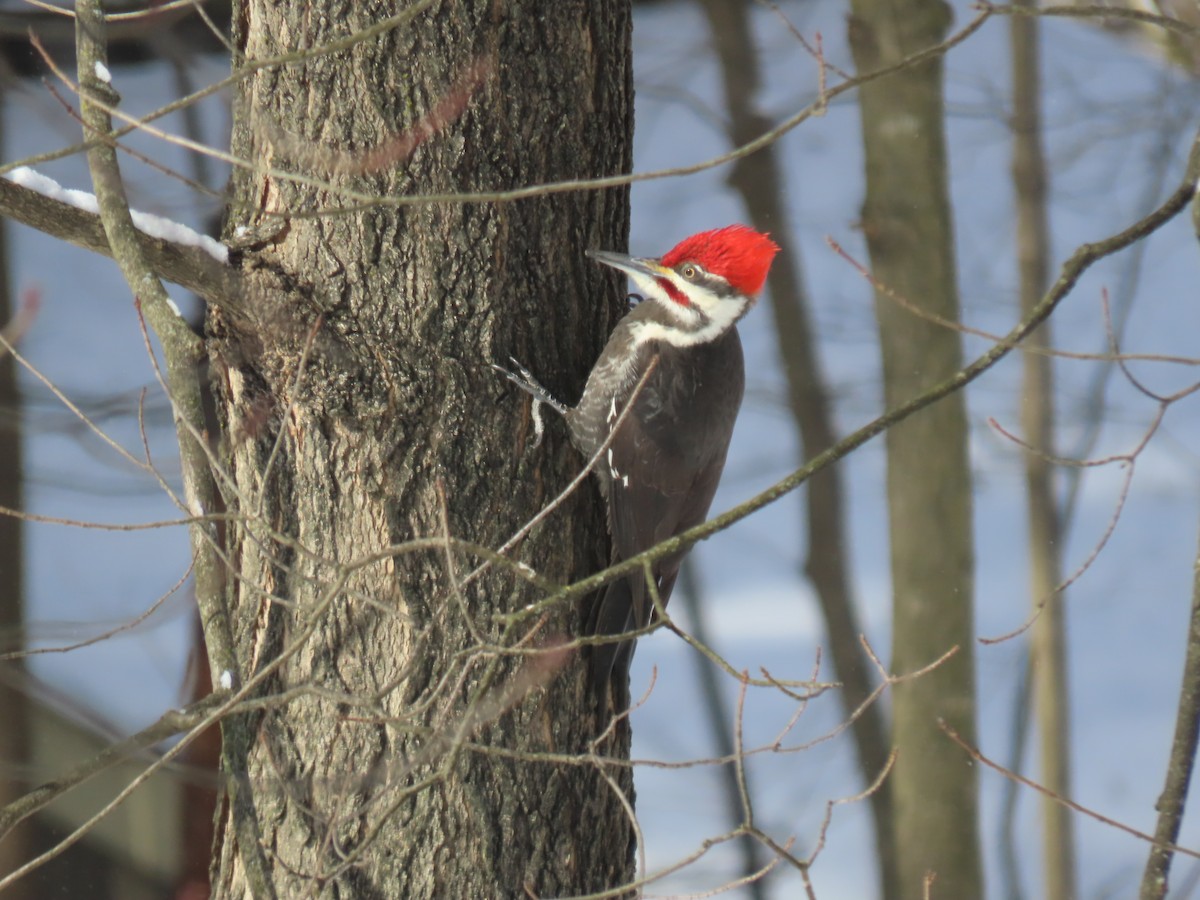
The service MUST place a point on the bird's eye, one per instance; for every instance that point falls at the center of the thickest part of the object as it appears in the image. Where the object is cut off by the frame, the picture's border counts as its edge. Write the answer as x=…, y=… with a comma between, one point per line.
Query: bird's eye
x=689, y=272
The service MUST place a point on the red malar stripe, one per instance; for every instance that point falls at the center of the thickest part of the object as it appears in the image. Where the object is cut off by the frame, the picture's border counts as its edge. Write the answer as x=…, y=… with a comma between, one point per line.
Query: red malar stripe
x=673, y=292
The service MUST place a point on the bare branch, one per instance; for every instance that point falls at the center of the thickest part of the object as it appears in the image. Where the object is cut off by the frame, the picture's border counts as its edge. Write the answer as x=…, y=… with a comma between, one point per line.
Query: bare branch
x=1095, y=12
x=1181, y=764
x=978, y=756
x=189, y=267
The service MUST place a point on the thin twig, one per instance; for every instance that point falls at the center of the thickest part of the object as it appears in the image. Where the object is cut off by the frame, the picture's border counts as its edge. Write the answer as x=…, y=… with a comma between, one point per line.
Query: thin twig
x=978, y=756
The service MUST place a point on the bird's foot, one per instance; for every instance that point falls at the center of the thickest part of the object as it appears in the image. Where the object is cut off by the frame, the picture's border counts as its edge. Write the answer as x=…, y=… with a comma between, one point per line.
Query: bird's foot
x=524, y=379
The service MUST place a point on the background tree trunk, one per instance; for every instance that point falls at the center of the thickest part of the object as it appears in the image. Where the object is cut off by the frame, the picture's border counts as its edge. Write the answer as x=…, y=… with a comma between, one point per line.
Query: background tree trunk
x=400, y=771
x=14, y=749
x=759, y=179
x=1048, y=644
x=910, y=235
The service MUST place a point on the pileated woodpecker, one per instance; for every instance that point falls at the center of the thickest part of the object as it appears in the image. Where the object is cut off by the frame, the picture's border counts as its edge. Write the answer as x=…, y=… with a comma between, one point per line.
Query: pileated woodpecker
x=660, y=470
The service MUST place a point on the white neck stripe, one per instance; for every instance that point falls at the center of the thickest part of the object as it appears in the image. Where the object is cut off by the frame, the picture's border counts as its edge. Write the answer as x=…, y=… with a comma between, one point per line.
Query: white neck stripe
x=706, y=318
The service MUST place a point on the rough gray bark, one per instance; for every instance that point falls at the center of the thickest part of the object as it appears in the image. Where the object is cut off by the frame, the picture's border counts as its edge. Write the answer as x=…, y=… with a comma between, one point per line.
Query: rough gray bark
x=368, y=418
x=909, y=230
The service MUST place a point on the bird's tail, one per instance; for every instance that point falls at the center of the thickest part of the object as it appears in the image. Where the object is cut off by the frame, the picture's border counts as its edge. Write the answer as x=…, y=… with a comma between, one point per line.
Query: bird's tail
x=612, y=616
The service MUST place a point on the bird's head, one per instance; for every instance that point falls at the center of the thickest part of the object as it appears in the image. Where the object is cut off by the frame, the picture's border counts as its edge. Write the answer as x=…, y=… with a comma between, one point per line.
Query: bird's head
x=704, y=284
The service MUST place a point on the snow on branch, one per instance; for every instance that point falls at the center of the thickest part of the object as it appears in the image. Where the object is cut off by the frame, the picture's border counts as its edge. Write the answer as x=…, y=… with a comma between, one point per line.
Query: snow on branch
x=147, y=223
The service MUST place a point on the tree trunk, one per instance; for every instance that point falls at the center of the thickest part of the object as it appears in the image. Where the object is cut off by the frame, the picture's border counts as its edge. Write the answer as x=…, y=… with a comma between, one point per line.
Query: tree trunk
x=909, y=232
x=402, y=763
x=1048, y=644
x=14, y=737
x=760, y=181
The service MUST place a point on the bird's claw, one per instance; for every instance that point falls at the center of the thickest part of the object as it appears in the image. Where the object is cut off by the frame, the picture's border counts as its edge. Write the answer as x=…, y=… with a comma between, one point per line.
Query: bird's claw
x=524, y=379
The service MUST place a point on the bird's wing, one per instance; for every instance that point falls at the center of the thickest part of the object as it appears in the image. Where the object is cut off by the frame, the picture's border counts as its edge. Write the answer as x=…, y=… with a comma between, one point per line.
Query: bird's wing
x=642, y=513
x=667, y=458
x=660, y=473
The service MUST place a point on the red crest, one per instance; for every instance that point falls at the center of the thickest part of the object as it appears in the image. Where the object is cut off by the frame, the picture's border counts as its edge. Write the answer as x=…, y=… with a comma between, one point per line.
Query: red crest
x=740, y=255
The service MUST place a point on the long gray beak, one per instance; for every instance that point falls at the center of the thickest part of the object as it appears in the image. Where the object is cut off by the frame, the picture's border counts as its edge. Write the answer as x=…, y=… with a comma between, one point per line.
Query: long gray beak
x=630, y=265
